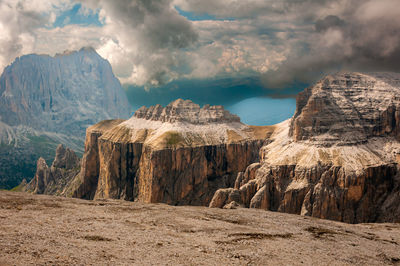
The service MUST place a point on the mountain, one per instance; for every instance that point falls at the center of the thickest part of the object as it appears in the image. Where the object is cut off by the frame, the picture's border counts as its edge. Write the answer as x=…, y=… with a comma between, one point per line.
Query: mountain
x=178, y=154
x=337, y=158
x=47, y=100
x=65, y=93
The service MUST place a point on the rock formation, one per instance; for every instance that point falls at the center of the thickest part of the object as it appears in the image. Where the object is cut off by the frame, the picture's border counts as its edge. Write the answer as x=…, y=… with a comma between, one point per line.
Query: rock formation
x=337, y=158
x=47, y=100
x=179, y=154
x=54, y=180
x=65, y=93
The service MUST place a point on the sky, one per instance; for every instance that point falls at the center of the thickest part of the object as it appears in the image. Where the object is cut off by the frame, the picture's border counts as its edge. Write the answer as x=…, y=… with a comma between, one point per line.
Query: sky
x=153, y=43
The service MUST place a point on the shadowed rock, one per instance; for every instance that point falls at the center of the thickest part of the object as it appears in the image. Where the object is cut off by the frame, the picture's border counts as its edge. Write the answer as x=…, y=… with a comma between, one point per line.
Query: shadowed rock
x=55, y=180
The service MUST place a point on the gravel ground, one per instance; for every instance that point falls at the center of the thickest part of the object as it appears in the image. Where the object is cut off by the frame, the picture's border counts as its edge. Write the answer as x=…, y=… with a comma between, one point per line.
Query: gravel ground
x=48, y=230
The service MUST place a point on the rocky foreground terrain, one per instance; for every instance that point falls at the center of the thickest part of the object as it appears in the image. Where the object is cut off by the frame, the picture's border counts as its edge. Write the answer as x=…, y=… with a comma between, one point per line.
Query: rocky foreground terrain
x=50, y=230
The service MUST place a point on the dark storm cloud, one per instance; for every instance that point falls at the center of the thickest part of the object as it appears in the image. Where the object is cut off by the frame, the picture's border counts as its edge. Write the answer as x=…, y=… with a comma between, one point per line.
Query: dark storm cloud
x=365, y=38
x=159, y=23
x=314, y=37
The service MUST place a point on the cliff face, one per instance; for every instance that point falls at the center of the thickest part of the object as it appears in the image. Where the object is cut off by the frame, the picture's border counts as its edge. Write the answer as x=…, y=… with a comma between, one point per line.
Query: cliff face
x=337, y=158
x=180, y=154
x=47, y=100
x=64, y=93
x=54, y=180
x=348, y=108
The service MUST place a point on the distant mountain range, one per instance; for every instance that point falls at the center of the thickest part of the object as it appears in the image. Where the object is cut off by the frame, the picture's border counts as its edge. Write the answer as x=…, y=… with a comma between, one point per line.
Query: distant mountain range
x=47, y=100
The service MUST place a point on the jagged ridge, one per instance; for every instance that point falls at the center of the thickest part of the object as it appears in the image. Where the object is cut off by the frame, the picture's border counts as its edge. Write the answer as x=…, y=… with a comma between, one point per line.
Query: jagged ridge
x=187, y=111
x=55, y=180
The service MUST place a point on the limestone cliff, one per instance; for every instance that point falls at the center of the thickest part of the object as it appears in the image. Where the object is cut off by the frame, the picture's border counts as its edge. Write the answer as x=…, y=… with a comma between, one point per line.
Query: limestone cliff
x=46, y=100
x=178, y=154
x=55, y=180
x=337, y=158
x=64, y=93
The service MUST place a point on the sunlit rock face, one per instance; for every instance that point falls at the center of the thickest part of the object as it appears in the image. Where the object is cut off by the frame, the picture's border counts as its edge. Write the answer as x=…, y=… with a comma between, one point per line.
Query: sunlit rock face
x=178, y=154
x=337, y=158
x=348, y=108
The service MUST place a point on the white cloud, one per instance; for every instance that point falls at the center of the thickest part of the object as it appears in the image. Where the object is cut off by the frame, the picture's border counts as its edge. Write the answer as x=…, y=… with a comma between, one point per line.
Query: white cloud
x=20, y=22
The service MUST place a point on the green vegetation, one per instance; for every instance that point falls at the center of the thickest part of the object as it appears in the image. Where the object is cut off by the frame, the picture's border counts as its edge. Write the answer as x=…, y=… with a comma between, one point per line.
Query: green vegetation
x=44, y=146
x=18, y=188
x=173, y=138
x=19, y=162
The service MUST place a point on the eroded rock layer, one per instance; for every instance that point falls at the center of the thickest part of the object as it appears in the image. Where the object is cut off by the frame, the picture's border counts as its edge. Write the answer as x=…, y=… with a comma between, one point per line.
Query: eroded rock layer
x=337, y=158
x=348, y=108
x=180, y=154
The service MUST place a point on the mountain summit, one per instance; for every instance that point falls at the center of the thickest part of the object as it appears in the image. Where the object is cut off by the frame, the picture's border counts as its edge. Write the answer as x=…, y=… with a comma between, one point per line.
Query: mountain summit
x=65, y=93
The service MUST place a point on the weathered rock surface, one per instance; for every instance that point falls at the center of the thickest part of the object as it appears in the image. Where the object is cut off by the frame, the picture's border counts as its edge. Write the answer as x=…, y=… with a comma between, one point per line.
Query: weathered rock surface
x=187, y=111
x=180, y=154
x=64, y=93
x=348, y=108
x=337, y=158
x=47, y=100
x=55, y=180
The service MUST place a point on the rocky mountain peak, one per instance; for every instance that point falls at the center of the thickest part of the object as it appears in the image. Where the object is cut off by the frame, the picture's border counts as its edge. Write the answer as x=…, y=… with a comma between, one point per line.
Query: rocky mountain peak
x=87, y=49
x=41, y=179
x=337, y=158
x=348, y=108
x=54, y=179
x=65, y=158
x=186, y=111
x=65, y=93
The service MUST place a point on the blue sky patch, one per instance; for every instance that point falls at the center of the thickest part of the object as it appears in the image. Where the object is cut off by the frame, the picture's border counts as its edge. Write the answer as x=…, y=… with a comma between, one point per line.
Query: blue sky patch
x=77, y=17
x=198, y=17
